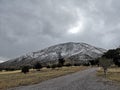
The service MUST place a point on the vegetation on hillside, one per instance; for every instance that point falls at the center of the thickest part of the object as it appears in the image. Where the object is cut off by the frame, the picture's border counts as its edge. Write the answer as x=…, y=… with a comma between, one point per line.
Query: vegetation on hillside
x=113, y=54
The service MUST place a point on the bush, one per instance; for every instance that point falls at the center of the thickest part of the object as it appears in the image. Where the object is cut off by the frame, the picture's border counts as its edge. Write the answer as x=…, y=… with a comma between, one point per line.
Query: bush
x=113, y=54
x=105, y=64
x=117, y=62
x=61, y=61
x=68, y=65
x=25, y=69
x=53, y=66
x=1, y=69
x=38, y=66
x=10, y=69
x=48, y=66
x=86, y=64
x=77, y=64
x=59, y=65
x=94, y=62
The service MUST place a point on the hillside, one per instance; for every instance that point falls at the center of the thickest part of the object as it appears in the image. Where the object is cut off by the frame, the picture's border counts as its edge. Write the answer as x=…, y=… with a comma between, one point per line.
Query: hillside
x=77, y=52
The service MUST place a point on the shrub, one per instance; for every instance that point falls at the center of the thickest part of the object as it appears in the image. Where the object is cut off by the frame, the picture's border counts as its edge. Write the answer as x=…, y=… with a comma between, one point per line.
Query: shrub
x=68, y=64
x=77, y=64
x=38, y=66
x=94, y=62
x=61, y=61
x=105, y=64
x=60, y=58
x=1, y=69
x=53, y=66
x=10, y=69
x=113, y=54
x=25, y=69
x=48, y=66
x=59, y=65
x=86, y=64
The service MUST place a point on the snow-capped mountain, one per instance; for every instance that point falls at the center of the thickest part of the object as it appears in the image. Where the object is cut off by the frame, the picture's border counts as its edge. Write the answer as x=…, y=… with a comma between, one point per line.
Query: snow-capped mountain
x=70, y=50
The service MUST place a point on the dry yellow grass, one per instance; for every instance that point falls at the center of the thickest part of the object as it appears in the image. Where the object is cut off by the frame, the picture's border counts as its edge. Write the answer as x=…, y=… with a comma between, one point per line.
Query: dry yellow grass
x=16, y=78
x=9, y=72
x=112, y=74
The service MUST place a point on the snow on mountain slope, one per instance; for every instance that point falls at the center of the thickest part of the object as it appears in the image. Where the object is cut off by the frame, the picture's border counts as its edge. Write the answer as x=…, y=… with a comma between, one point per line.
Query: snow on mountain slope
x=80, y=51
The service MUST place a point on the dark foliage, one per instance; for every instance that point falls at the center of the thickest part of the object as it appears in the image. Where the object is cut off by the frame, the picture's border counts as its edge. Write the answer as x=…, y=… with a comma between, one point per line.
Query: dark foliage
x=94, y=62
x=25, y=69
x=77, y=64
x=113, y=54
x=38, y=66
x=48, y=66
x=59, y=65
x=1, y=69
x=68, y=65
x=54, y=66
x=9, y=69
x=61, y=61
x=86, y=64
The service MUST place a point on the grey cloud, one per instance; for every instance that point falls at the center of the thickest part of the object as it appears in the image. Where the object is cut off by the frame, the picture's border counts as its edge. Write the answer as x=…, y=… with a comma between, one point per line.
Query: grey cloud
x=29, y=25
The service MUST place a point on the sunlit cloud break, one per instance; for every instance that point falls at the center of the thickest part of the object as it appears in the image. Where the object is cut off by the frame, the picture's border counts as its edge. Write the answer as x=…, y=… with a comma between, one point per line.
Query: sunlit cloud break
x=78, y=28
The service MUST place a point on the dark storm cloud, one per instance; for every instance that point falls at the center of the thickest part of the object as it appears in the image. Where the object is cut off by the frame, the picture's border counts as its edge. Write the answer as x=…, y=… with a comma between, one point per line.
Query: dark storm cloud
x=29, y=25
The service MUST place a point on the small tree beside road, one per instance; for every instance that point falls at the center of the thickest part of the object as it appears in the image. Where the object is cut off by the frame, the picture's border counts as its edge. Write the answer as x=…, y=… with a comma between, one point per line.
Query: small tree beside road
x=105, y=64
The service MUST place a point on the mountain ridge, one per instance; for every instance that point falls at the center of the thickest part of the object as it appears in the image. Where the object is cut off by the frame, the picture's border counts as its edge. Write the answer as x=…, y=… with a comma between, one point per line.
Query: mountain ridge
x=69, y=50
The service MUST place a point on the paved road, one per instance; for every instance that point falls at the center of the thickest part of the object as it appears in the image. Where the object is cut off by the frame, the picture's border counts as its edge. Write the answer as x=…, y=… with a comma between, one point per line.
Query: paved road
x=83, y=80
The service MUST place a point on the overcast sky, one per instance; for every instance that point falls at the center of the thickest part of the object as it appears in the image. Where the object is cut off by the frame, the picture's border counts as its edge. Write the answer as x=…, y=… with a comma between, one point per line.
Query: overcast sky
x=30, y=25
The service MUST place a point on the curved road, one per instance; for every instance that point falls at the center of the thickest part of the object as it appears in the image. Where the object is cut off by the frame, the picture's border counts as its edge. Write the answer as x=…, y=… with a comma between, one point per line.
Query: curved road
x=83, y=80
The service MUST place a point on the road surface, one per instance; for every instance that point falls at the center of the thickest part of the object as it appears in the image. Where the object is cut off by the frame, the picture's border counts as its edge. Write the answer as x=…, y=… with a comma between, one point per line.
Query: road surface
x=83, y=80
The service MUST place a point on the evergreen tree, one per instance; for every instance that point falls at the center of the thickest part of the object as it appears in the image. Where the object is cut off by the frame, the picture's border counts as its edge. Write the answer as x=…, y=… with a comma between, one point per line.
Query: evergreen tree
x=113, y=54
x=38, y=66
x=25, y=69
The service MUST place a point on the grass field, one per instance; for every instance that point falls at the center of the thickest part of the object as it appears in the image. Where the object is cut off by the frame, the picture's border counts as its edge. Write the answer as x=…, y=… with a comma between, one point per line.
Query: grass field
x=16, y=78
x=112, y=74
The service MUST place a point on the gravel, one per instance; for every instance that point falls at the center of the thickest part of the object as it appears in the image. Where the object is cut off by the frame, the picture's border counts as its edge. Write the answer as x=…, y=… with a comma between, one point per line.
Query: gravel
x=83, y=80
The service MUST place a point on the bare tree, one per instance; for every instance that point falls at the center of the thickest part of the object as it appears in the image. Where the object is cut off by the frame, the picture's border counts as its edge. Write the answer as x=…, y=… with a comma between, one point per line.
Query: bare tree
x=105, y=64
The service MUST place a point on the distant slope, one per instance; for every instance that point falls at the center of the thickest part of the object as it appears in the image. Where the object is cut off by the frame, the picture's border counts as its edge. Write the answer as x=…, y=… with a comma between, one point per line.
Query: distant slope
x=70, y=50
